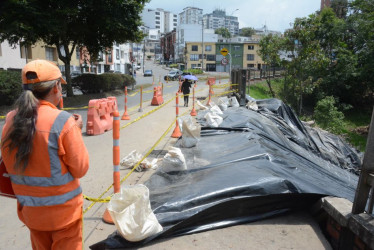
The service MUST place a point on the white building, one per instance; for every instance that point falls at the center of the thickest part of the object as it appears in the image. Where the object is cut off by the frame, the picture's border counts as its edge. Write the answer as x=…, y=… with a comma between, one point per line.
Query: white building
x=164, y=21
x=192, y=33
x=11, y=58
x=190, y=15
x=219, y=19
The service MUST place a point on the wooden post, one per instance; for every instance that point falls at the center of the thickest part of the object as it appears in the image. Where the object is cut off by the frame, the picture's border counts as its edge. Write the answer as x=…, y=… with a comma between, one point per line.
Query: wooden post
x=366, y=179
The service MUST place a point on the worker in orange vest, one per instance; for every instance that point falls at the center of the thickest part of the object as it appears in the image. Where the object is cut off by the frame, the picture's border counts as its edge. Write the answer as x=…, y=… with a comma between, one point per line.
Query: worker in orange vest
x=44, y=154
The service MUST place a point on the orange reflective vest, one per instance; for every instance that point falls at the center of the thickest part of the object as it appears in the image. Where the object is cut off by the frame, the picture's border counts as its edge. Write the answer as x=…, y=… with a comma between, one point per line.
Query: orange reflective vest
x=48, y=192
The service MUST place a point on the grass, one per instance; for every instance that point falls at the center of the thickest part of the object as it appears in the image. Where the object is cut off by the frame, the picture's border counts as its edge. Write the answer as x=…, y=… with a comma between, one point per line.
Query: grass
x=355, y=121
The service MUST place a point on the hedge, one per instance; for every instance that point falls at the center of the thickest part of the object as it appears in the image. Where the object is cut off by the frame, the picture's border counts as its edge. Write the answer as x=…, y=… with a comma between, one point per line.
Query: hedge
x=91, y=83
x=10, y=87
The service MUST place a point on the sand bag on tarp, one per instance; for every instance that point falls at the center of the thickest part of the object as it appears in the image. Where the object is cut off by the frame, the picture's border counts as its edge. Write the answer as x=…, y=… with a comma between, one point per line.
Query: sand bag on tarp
x=174, y=160
x=132, y=214
x=190, y=133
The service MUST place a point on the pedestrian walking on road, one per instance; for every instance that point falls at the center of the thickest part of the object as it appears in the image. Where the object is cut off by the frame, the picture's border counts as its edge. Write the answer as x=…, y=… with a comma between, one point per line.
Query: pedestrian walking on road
x=44, y=153
x=186, y=85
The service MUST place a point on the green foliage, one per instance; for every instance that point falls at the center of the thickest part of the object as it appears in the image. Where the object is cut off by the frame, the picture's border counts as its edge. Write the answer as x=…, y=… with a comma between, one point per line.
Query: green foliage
x=247, y=31
x=10, y=86
x=224, y=32
x=94, y=24
x=194, y=71
x=91, y=83
x=175, y=66
x=327, y=115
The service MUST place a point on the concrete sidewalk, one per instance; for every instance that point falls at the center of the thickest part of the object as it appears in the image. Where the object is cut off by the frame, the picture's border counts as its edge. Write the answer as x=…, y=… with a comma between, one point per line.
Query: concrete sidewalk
x=293, y=231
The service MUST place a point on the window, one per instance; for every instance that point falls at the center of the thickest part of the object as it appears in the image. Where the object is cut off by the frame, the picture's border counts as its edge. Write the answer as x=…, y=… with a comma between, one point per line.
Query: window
x=77, y=52
x=208, y=47
x=157, y=13
x=157, y=26
x=251, y=47
x=194, y=48
x=157, y=18
x=50, y=53
x=117, y=54
x=250, y=57
x=109, y=56
x=174, y=20
x=194, y=65
x=211, y=57
x=99, y=68
x=221, y=47
x=237, y=55
x=236, y=47
x=250, y=65
x=157, y=22
x=194, y=57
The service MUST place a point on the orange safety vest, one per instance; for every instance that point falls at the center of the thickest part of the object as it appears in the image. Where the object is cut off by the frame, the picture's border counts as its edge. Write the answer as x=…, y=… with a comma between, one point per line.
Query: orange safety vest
x=48, y=192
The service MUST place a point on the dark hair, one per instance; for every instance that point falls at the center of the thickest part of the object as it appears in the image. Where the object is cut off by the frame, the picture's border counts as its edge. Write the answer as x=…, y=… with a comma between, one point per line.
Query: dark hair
x=21, y=134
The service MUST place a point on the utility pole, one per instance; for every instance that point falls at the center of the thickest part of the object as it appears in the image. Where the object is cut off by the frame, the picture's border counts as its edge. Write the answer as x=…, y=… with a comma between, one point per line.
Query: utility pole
x=202, y=44
x=232, y=13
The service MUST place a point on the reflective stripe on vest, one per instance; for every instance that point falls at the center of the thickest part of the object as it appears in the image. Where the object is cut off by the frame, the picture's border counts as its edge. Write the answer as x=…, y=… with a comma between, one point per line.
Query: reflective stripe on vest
x=33, y=201
x=56, y=178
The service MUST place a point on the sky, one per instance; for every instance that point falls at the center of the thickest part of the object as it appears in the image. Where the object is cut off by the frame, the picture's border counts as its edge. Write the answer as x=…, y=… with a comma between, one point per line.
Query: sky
x=278, y=15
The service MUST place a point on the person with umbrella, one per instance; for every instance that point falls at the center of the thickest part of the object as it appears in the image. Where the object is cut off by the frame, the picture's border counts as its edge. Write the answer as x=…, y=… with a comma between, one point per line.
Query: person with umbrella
x=186, y=85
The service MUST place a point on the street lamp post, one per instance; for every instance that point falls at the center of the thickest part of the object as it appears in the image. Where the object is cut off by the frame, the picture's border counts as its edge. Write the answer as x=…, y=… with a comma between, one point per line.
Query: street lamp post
x=202, y=44
x=232, y=13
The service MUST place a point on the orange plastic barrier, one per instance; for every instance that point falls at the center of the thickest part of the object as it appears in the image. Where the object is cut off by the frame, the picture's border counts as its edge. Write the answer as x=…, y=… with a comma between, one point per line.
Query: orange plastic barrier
x=100, y=115
x=157, y=99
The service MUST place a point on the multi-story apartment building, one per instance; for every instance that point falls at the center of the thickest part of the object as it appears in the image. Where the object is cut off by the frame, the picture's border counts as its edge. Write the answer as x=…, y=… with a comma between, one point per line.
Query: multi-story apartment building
x=191, y=15
x=196, y=57
x=219, y=19
x=164, y=21
x=242, y=54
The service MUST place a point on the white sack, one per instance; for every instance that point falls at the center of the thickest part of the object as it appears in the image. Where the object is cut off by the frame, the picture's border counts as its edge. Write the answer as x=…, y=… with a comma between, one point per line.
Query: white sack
x=190, y=133
x=133, y=158
x=201, y=106
x=213, y=120
x=234, y=102
x=174, y=160
x=252, y=105
x=216, y=110
x=132, y=214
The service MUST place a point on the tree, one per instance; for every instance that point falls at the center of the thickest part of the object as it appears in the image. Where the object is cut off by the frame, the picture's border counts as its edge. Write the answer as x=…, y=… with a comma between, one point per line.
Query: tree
x=224, y=32
x=67, y=24
x=247, y=31
x=270, y=47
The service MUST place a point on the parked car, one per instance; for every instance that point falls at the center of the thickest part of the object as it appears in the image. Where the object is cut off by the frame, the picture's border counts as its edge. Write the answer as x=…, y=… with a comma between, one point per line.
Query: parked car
x=75, y=73
x=173, y=75
x=148, y=72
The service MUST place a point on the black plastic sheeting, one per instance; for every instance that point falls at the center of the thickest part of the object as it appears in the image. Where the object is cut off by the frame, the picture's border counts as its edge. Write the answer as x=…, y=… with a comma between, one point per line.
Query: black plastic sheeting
x=257, y=164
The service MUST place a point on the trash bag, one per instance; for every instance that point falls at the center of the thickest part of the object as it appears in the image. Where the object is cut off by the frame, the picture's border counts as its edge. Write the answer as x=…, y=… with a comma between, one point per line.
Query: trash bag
x=190, y=133
x=223, y=103
x=132, y=214
x=174, y=160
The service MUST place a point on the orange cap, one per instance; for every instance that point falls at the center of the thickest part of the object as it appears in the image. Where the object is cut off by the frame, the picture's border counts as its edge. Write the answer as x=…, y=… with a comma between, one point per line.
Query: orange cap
x=43, y=71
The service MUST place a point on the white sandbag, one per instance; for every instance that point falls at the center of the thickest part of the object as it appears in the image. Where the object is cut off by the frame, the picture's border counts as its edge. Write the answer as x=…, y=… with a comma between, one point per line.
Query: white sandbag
x=174, y=160
x=213, y=120
x=252, y=105
x=234, y=102
x=201, y=106
x=190, y=133
x=216, y=110
x=132, y=214
x=223, y=103
x=133, y=158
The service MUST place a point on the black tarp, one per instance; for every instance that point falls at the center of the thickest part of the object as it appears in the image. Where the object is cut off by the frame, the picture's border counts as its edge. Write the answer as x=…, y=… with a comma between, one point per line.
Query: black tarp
x=257, y=164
